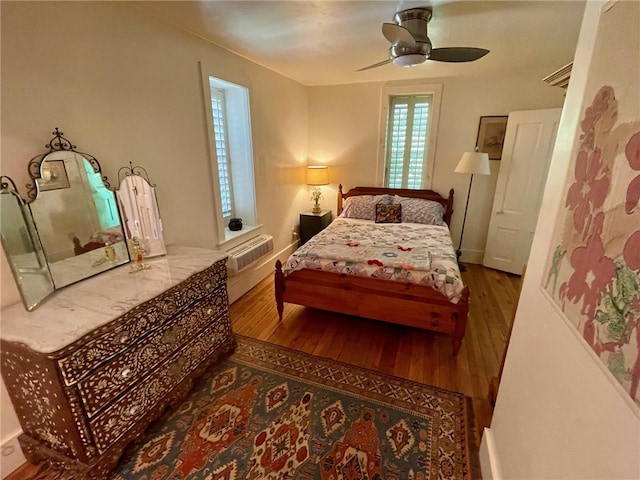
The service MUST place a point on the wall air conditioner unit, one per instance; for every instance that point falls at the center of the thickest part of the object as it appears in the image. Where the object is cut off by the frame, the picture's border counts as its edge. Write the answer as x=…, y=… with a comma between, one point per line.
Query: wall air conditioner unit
x=246, y=253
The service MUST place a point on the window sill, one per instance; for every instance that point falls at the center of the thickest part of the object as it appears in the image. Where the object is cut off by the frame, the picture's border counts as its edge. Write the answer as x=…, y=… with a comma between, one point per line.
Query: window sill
x=233, y=238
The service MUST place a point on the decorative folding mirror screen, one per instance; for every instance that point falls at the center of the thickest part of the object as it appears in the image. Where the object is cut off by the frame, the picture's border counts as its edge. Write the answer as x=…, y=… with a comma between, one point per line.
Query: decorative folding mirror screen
x=72, y=227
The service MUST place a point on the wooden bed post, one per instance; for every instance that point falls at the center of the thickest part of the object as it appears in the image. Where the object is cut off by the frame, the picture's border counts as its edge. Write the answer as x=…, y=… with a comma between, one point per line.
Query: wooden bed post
x=279, y=286
x=448, y=211
x=339, y=211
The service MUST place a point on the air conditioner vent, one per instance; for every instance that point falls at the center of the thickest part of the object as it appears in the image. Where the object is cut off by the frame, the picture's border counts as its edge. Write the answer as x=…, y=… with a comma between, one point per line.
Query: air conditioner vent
x=246, y=253
x=559, y=78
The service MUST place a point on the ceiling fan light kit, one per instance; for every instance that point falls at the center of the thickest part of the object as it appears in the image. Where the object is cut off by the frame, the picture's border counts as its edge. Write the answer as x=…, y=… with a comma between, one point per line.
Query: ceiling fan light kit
x=411, y=46
x=410, y=60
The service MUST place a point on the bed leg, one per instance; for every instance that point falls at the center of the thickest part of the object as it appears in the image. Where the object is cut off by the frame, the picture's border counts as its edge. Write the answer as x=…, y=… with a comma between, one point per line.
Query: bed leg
x=457, y=343
x=461, y=321
x=279, y=288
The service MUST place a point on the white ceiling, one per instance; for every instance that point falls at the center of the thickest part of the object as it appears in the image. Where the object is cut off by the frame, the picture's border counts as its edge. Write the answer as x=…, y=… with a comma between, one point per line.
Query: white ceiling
x=325, y=42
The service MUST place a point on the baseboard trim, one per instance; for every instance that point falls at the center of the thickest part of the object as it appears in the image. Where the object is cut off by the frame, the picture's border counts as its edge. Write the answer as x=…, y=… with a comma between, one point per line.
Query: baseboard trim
x=11, y=456
x=472, y=256
x=489, y=461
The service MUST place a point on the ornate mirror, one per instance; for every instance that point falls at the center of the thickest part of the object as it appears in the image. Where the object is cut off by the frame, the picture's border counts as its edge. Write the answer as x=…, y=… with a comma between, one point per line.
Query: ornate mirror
x=75, y=213
x=22, y=247
x=139, y=208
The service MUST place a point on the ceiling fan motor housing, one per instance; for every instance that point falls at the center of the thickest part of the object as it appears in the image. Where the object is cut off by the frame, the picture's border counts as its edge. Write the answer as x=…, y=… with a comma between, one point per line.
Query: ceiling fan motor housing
x=421, y=48
x=415, y=20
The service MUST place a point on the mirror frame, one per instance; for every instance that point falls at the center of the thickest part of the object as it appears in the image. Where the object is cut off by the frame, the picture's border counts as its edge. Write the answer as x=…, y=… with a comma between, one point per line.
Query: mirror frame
x=57, y=144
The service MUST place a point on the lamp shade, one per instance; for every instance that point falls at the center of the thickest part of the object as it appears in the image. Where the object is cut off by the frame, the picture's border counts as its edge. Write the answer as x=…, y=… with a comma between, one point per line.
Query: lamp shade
x=317, y=175
x=476, y=163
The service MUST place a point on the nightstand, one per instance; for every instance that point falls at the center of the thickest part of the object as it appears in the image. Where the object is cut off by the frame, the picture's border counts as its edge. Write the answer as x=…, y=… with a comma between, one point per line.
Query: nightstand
x=313, y=223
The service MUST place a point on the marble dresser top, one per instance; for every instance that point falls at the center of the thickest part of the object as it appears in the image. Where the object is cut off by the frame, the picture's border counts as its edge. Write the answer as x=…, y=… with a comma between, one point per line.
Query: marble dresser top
x=76, y=310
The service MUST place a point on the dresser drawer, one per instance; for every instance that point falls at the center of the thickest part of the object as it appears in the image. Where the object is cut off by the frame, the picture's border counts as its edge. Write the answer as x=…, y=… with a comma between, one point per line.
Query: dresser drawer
x=112, y=379
x=126, y=411
x=105, y=343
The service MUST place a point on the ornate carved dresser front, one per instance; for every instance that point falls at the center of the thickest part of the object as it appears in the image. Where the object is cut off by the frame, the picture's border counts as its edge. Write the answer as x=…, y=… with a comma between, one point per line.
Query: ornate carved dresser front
x=92, y=367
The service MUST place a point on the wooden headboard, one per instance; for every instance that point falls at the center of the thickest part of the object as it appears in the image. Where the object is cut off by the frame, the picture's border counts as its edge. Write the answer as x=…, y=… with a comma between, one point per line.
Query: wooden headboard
x=447, y=203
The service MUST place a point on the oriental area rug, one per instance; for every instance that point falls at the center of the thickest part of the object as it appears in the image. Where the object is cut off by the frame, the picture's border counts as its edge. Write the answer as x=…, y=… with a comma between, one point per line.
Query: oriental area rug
x=268, y=412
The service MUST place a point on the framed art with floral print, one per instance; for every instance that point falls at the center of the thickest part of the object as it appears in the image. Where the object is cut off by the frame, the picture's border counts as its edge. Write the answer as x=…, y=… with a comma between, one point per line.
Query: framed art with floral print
x=593, y=273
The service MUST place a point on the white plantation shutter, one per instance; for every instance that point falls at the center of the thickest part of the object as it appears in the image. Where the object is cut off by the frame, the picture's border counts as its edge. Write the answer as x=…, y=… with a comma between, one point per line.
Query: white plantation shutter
x=406, y=146
x=222, y=152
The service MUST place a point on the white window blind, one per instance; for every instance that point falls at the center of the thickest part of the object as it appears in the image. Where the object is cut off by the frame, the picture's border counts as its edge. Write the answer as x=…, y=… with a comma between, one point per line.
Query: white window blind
x=406, y=143
x=218, y=108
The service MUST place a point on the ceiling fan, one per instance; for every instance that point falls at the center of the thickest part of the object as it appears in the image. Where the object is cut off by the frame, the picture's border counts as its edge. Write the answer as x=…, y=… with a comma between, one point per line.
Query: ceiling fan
x=411, y=46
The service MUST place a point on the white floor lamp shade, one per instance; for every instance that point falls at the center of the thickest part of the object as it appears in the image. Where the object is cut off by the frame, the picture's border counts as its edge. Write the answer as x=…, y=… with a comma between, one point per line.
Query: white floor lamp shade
x=475, y=163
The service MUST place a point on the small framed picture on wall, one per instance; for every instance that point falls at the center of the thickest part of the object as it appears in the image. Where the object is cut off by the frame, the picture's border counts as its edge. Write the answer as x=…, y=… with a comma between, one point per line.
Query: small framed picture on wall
x=54, y=176
x=491, y=135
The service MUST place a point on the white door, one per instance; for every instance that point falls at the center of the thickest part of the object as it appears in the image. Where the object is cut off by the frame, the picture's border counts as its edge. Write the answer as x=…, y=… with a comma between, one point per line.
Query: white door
x=526, y=154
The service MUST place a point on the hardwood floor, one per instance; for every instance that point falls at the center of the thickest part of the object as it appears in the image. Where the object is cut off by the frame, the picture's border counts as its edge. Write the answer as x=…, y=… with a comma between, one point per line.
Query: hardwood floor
x=406, y=352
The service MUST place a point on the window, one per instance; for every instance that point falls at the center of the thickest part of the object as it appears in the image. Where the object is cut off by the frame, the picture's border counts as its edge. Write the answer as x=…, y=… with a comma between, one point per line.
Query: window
x=231, y=150
x=410, y=124
x=406, y=140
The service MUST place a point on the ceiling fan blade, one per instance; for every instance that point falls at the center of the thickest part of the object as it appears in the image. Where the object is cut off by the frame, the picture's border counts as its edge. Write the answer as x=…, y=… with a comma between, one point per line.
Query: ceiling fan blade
x=379, y=64
x=398, y=35
x=457, y=54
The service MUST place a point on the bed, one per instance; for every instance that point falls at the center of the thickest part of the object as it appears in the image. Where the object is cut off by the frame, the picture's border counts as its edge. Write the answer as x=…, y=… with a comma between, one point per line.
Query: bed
x=394, y=295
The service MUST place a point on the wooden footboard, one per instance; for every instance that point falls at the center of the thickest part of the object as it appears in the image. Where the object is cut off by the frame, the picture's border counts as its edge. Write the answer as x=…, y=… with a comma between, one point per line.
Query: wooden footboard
x=416, y=306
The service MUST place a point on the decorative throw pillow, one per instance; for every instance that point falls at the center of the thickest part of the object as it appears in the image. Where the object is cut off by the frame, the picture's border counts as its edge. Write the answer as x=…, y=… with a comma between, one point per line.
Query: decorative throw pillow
x=418, y=210
x=388, y=213
x=363, y=206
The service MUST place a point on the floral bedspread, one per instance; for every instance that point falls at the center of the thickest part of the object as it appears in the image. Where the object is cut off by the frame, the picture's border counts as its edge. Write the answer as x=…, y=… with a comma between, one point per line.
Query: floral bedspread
x=391, y=255
x=403, y=252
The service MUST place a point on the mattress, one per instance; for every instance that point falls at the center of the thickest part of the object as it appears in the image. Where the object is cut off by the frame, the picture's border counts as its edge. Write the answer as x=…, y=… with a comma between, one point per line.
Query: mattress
x=403, y=252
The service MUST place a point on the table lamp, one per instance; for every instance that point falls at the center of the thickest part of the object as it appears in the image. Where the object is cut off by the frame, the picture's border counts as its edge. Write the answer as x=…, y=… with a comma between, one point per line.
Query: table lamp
x=317, y=176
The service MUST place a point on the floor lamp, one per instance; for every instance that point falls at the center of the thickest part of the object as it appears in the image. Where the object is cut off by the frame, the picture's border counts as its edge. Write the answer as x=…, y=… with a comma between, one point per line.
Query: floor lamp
x=475, y=163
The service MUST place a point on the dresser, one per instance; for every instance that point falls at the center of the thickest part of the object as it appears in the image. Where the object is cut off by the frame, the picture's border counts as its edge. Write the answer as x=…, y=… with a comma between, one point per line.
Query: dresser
x=92, y=367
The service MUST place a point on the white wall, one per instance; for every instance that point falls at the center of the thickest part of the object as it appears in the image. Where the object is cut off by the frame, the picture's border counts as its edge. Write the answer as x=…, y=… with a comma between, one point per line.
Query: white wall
x=344, y=121
x=126, y=87
x=559, y=413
